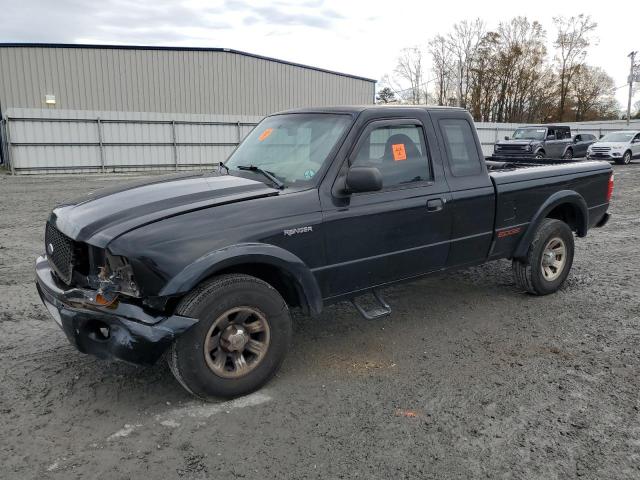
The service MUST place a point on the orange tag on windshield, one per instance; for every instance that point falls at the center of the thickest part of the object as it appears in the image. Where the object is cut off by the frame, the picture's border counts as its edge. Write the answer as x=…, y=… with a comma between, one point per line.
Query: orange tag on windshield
x=265, y=134
x=398, y=152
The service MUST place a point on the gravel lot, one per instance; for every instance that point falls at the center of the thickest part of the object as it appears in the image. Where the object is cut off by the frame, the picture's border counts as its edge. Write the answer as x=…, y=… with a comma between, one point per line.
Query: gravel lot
x=469, y=378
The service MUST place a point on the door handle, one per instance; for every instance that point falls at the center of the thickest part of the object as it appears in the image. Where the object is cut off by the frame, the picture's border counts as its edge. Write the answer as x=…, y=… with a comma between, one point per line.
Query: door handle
x=435, y=205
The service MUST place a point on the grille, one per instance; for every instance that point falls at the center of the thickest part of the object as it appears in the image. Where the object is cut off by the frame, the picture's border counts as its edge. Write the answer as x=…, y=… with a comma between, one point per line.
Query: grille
x=600, y=149
x=513, y=148
x=60, y=252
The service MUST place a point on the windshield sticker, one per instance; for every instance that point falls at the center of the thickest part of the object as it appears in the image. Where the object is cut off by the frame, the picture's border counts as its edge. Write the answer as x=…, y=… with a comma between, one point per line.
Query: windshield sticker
x=309, y=174
x=264, y=135
x=399, y=152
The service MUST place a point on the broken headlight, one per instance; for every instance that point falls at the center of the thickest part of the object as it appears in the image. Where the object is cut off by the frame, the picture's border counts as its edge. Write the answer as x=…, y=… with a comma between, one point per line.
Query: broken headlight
x=116, y=277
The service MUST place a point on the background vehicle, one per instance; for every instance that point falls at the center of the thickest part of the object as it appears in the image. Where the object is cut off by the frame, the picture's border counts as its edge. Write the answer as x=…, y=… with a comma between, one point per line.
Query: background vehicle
x=316, y=206
x=543, y=141
x=620, y=146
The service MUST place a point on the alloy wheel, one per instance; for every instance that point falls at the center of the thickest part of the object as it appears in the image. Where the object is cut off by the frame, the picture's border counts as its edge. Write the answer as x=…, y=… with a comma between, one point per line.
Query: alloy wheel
x=554, y=258
x=237, y=342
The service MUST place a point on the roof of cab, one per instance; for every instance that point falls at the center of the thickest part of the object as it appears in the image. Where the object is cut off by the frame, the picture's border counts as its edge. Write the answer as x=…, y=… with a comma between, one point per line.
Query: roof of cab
x=354, y=109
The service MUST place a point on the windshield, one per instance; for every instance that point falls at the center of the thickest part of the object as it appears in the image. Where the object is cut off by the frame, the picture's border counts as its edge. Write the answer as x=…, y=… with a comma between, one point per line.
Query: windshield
x=529, y=134
x=617, y=137
x=292, y=147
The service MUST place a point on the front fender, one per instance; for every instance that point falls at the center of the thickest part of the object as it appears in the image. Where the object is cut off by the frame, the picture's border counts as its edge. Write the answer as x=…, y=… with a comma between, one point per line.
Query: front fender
x=246, y=254
x=559, y=198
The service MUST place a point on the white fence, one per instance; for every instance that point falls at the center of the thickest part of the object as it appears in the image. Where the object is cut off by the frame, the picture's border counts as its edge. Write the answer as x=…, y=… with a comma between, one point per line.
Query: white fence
x=51, y=141
x=83, y=142
x=489, y=133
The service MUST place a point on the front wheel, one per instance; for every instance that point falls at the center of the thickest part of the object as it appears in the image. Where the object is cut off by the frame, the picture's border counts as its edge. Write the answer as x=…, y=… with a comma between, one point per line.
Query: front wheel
x=568, y=155
x=548, y=260
x=539, y=155
x=240, y=341
x=625, y=160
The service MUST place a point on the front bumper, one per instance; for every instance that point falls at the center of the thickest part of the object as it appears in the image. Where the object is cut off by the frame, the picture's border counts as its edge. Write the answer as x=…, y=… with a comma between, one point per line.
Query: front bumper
x=124, y=331
x=604, y=156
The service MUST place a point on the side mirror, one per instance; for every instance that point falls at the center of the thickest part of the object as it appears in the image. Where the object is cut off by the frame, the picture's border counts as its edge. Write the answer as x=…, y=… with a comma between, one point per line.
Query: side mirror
x=636, y=140
x=363, y=179
x=507, y=137
x=577, y=139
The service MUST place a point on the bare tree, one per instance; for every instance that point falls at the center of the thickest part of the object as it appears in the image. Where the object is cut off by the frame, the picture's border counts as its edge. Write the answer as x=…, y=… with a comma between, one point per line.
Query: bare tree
x=441, y=59
x=409, y=71
x=575, y=35
x=463, y=43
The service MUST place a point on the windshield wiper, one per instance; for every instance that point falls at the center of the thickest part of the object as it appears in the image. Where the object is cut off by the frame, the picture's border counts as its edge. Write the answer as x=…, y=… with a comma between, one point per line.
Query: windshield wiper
x=269, y=175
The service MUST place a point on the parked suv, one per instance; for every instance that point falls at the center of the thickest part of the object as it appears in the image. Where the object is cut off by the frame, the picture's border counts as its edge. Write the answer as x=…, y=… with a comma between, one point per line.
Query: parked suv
x=542, y=141
x=621, y=147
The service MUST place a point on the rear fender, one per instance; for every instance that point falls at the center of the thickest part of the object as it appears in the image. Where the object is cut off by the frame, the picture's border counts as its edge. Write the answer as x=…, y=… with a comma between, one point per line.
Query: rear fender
x=248, y=254
x=563, y=197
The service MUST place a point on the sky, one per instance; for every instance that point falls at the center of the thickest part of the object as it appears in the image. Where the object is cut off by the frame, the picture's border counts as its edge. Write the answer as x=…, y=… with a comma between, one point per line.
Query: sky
x=360, y=37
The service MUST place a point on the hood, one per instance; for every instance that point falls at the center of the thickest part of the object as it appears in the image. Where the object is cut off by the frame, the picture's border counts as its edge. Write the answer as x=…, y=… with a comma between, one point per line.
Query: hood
x=521, y=143
x=101, y=216
x=610, y=144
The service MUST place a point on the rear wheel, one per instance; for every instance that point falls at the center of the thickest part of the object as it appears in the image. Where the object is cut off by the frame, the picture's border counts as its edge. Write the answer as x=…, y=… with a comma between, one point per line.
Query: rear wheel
x=240, y=341
x=548, y=260
x=568, y=155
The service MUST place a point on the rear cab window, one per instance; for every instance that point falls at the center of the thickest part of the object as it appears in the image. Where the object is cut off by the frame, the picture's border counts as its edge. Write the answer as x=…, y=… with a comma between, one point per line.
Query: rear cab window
x=461, y=147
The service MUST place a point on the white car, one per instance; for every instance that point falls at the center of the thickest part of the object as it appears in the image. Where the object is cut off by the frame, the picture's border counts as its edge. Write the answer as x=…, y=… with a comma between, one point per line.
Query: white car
x=620, y=146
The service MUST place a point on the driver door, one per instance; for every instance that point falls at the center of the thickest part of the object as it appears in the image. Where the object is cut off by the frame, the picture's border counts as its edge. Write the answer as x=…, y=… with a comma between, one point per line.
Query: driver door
x=398, y=232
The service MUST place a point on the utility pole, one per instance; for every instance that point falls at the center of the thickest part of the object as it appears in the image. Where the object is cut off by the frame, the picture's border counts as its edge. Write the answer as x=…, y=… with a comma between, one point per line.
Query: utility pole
x=632, y=56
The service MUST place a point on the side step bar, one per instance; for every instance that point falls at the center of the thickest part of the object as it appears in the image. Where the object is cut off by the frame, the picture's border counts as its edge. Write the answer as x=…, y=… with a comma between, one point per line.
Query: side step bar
x=381, y=310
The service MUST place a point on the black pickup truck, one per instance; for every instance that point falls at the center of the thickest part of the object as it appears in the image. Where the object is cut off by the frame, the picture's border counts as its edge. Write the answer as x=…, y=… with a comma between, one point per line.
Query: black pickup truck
x=314, y=207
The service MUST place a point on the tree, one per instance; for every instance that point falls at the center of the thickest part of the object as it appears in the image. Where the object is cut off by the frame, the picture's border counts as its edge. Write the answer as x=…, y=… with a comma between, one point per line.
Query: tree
x=386, y=95
x=409, y=70
x=593, y=95
x=463, y=43
x=441, y=63
x=575, y=35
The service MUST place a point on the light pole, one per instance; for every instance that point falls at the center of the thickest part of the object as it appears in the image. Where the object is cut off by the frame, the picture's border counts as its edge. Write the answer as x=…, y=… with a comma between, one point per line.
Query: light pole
x=632, y=56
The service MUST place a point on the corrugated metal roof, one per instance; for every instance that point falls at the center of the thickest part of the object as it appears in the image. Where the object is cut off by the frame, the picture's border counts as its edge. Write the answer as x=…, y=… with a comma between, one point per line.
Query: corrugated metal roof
x=183, y=49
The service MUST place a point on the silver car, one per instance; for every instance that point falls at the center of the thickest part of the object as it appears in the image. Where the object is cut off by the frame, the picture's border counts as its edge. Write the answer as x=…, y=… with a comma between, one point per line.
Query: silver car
x=621, y=147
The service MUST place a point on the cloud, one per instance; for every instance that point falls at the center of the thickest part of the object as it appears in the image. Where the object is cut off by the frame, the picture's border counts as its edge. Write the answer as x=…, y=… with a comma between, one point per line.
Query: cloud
x=108, y=21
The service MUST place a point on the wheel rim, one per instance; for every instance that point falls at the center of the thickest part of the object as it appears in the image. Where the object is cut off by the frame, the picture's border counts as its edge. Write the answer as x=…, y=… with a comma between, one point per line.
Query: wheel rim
x=568, y=155
x=237, y=342
x=539, y=156
x=554, y=258
x=627, y=158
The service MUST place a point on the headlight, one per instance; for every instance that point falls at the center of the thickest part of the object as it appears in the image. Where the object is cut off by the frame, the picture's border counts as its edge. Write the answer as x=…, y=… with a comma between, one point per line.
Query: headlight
x=115, y=277
x=496, y=147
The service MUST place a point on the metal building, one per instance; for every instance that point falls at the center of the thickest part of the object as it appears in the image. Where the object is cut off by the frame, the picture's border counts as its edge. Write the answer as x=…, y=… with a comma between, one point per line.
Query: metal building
x=98, y=107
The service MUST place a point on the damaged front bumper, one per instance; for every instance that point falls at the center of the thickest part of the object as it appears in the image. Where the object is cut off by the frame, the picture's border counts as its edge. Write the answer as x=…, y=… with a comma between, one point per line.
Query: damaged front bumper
x=124, y=331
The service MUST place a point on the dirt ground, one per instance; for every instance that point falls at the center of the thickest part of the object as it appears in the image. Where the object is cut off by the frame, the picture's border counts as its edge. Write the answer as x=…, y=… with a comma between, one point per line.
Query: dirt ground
x=468, y=378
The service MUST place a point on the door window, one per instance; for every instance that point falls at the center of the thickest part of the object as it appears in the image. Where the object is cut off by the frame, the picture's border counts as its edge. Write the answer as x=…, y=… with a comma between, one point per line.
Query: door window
x=398, y=151
x=461, y=147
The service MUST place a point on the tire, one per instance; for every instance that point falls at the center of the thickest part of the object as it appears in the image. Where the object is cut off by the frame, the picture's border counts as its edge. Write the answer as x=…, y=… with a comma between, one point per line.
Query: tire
x=568, y=155
x=230, y=369
x=531, y=273
x=625, y=160
x=539, y=155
